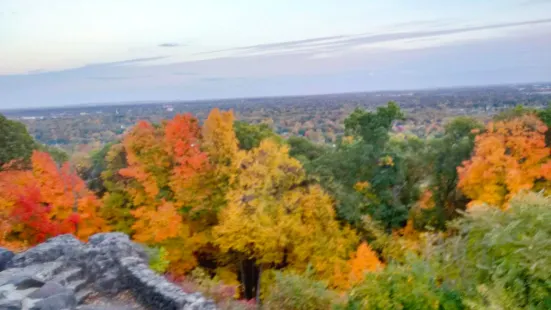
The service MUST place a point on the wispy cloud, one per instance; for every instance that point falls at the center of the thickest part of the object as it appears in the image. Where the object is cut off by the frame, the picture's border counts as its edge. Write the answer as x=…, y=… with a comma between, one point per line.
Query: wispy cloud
x=217, y=79
x=520, y=56
x=36, y=71
x=115, y=78
x=351, y=40
x=286, y=44
x=184, y=73
x=422, y=23
x=423, y=34
x=171, y=44
x=535, y=2
x=129, y=61
x=94, y=66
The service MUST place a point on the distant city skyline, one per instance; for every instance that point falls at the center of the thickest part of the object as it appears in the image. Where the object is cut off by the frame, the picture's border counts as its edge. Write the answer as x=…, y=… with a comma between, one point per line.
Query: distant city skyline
x=71, y=52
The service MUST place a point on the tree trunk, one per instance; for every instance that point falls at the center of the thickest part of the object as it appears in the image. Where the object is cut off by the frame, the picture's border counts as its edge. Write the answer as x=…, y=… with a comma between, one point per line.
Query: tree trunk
x=243, y=281
x=258, y=286
x=249, y=273
x=75, y=195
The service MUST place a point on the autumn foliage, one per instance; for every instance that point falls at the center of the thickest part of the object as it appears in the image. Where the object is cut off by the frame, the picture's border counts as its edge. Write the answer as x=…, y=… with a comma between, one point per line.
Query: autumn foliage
x=247, y=210
x=190, y=190
x=276, y=218
x=364, y=260
x=46, y=201
x=509, y=157
x=163, y=177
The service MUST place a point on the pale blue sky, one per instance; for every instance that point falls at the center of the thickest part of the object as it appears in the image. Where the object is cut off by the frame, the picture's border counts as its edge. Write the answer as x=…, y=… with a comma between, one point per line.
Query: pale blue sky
x=63, y=52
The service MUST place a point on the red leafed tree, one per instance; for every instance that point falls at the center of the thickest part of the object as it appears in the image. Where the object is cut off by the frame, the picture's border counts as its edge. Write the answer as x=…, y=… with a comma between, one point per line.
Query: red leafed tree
x=182, y=143
x=164, y=161
x=46, y=201
x=34, y=215
x=164, y=172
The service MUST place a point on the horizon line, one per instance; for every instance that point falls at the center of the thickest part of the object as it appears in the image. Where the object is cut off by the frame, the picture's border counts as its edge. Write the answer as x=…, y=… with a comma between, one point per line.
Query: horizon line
x=154, y=101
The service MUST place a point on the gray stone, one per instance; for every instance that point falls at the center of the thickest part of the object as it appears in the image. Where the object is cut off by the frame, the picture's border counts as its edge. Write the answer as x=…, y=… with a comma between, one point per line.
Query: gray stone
x=23, y=282
x=110, y=283
x=5, y=257
x=77, y=285
x=39, y=272
x=10, y=305
x=95, y=307
x=101, y=260
x=156, y=292
x=47, y=290
x=83, y=294
x=117, y=244
x=68, y=275
x=48, y=251
x=47, y=271
x=9, y=292
x=63, y=301
x=108, y=264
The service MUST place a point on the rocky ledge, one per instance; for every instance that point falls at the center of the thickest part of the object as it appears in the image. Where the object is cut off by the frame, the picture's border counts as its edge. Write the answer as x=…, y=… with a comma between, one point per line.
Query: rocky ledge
x=64, y=273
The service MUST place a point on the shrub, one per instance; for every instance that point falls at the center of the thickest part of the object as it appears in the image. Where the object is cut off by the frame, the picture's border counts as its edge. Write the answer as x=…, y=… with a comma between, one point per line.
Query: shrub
x=413, y=285
x=222, y=293
x=298, y=292
x=503, y=258
x=158, y=259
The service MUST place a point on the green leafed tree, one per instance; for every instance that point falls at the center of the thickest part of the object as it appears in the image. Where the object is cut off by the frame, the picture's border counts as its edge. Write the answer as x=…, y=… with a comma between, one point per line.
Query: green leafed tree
x=501, y=259
x=250, y=135
x=373, y=127
x=305, y=150
x=446, y=153
x=367, y=174
x=117, y=202
x=299, y=292
x=517, y=111
x=414, y=285
x=15, y=141
x=58, y=155
x=545, y=116
x=17, y=144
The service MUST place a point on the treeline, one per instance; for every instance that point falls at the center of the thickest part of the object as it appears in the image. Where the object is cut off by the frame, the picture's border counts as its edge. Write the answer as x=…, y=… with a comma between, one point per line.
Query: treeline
x=379, y=221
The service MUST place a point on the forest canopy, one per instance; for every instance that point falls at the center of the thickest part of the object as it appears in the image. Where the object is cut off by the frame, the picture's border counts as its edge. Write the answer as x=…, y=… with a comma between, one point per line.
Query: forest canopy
x=380, y=219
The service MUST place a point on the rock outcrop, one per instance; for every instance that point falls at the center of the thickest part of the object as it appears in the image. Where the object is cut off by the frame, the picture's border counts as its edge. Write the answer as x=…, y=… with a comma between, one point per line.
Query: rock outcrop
x=62, y=273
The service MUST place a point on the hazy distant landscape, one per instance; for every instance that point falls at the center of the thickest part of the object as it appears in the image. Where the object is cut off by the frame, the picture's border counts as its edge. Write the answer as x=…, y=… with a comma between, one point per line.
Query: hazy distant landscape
x=319, y=118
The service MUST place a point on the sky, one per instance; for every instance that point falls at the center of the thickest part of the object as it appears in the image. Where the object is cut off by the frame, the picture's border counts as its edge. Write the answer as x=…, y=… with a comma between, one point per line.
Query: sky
x=70, y=52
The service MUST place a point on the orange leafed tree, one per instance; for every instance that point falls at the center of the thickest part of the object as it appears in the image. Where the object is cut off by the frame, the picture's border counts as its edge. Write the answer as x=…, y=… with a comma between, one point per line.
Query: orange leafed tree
x=509, y=157
x=148, y=162
x=364, y=260
x=46, y=201
x=165, y=175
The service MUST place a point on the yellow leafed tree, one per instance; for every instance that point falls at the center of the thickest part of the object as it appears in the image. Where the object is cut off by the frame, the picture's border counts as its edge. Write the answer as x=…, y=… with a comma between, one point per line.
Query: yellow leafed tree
x=277, y=219
x=221, y=146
